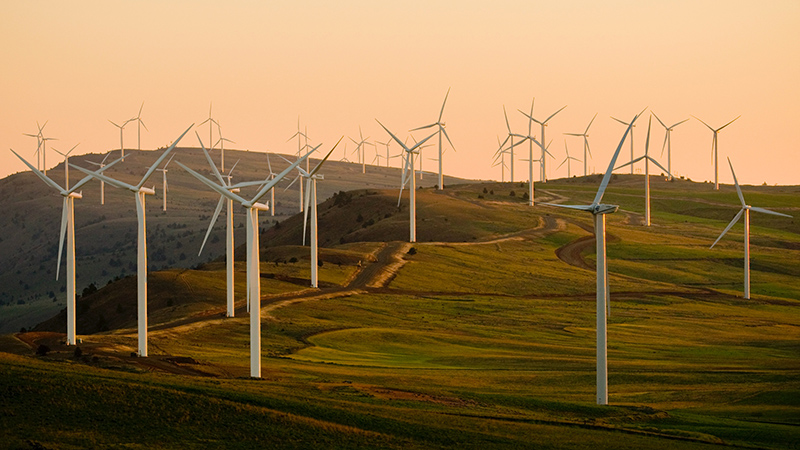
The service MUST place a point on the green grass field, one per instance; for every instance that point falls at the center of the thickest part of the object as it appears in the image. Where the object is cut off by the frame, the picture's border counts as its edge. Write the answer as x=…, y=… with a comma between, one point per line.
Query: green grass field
x=485, y=345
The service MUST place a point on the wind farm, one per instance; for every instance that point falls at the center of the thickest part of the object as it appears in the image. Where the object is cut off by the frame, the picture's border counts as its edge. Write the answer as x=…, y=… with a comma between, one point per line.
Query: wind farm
x=394, y=304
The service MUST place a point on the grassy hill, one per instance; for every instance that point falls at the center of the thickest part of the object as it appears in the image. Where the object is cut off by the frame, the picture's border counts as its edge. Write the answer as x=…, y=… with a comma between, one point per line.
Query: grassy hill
x=106, y=234
x=481, y=336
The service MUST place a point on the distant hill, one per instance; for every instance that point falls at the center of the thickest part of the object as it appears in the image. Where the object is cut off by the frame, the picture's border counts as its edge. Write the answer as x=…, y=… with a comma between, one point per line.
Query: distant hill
x=106, y=234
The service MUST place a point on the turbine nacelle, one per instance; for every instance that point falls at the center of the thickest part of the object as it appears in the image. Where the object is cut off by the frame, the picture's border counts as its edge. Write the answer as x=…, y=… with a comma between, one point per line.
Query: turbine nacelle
x=604, y=209
x=147, y=190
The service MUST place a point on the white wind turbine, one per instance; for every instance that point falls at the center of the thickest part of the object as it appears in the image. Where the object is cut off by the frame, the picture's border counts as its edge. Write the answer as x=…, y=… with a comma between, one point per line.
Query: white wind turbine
x=311, y=202
x=409, y=176
x=647, y=160
x=500, y=160
x=714, y=153
x=299, y=135
x=141, y=269
x=229, y=244
x=668, y=142
x=253, y=253
x=586, y=151
x=441, y=130
x=567, y=160
x=543, y=124
x=121, y=129
x=66, y=163
x=531, y=140
x=101, y=164
x=361, y=151
x=746, y=212
x=387, y=150
x=599, y=210
x=68, y=229
x=510, y=137
x=140, y=124
x=164, y=177
x=626, y=124
x=221, y=141
x=39, y=141
x=271, y=191
x=211, y=123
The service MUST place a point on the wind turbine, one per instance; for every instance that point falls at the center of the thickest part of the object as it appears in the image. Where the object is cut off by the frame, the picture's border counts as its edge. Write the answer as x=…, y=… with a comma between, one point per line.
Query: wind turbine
x=164, y=173
x=121, y=128
x=140, y=124
x=746, y=212
x=362, y=156
x=567, y=160
x=68, y=228
x=531, y=140
x=211, y=123
x=66, y=163
x=39, y=141
x=586, y=151
x=299, y=135
x=406, y=178
x=229, y=247
x=543, y=163
x=647, y=159
x=221, y=141
x=626, y=124
x=714, y=152
x=500, y=159
x=272, y=191
x=311, y=202
x=253, y=253
x=668, y=143
x=101, y=164
x=441, y=130
x=141, y=271
x=599, y=211
x=387, y=150
x=511, y=137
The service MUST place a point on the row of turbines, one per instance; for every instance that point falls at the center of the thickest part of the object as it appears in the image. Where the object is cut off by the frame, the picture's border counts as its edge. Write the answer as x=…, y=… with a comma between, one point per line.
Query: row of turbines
x=229, y=193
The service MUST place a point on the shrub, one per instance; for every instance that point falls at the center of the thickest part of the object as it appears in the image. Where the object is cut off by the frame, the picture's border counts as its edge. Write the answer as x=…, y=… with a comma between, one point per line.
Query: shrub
x=42, y=350
x=77, y=353
x=485, y=190
x=412, y=251
x=293, y=260
x=512, y=194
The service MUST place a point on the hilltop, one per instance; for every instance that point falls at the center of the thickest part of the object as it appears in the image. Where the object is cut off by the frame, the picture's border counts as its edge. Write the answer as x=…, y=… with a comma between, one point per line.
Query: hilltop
x=106, y=234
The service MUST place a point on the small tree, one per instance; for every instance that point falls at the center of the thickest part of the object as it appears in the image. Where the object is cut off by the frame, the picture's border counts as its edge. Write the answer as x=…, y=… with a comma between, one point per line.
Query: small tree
x=42, y=350
x=412, y=251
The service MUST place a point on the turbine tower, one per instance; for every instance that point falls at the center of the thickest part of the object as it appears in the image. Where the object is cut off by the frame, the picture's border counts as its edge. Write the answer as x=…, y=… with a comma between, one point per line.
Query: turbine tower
x=543, y=162
x=311, y=202
x=714, y=153
x=221, y=141
x=141, y=269
x=229, y=247
x=164, y=178
x=586, y=151
x=140, y=124
x=408, y=168
x=253, y=253
x=100, y=165
x=68, y=229
x=510, y=137
x=441, y=130
x=746, y=212
x=567, y=160
x=66, y=163
x=39, y=141
x=647, y=160
x=362, y=156
x=599, y=211
x=121, y=128
x=668, y=143
x=299, y=135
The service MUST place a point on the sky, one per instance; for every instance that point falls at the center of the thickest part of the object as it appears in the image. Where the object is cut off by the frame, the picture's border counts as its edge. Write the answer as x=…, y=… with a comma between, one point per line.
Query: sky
x=340, y=65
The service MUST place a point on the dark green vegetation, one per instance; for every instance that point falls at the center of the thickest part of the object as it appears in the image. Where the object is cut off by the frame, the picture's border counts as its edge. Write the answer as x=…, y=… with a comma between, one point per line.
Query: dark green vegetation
x=484, y=338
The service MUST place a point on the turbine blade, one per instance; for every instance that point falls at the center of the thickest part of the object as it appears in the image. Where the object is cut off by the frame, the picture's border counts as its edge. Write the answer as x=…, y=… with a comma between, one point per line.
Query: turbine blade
x=221, y=190
x=659, y=165
x=734, y=120
x=220, y=203
x=767, y=211
x=590, y=124
x=678, y=123
x=660, y=121
x=101, y=177
x=553, y=115
x=578, y=207
x=393, y=136
x=214, y=169
x=736, y=183
x=88, y=178
x=316, y=169
x=441, y=113
x=709, y=126
x=64, y=219
x=271, y=183
x=448, y=139
x=607, y=176
x=647, y=141
x=735, y=219
x=426, y=126
x=39, y=174
x=162, y=158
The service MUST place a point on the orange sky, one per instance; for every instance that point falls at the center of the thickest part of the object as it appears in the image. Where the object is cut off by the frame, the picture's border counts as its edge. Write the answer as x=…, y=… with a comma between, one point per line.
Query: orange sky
x=339, y=65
